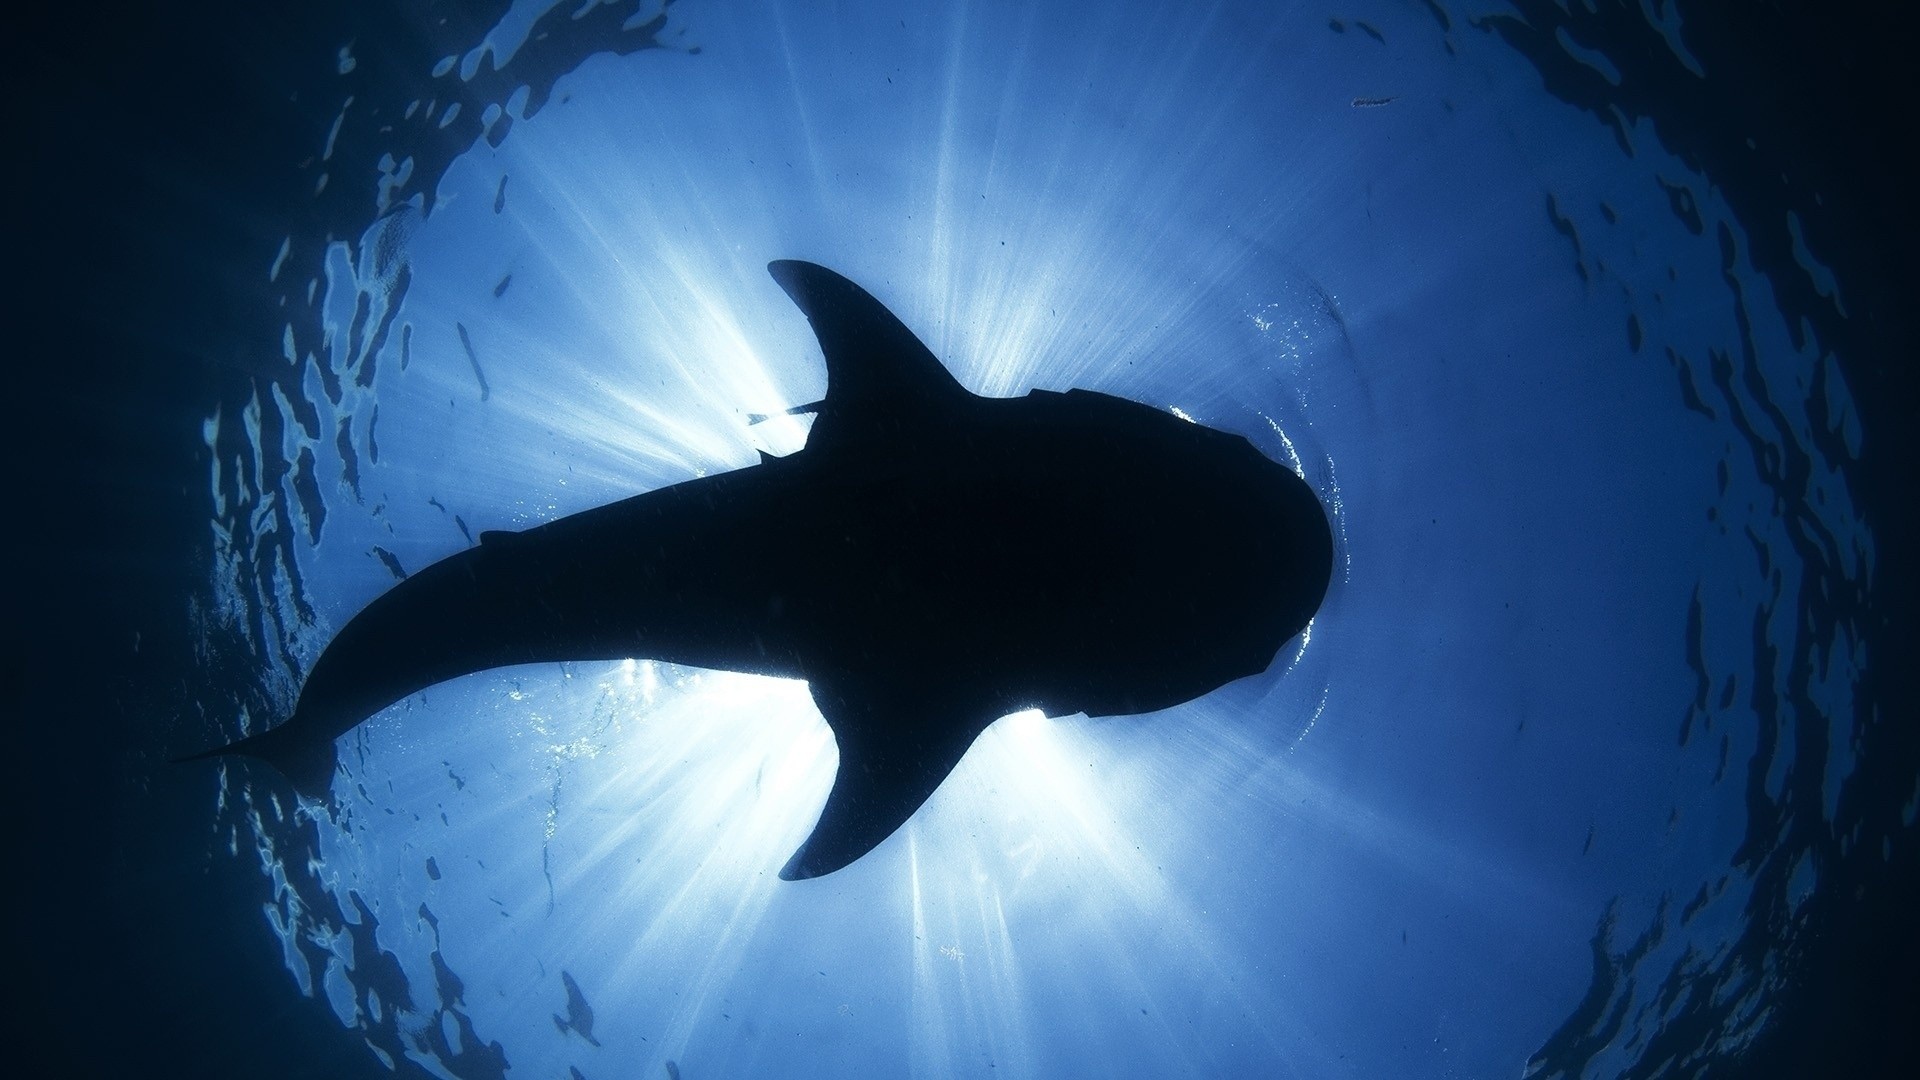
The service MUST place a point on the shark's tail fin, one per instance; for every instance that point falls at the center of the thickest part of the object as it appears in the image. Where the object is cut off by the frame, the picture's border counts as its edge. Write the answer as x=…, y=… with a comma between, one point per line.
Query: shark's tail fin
x=306, y=761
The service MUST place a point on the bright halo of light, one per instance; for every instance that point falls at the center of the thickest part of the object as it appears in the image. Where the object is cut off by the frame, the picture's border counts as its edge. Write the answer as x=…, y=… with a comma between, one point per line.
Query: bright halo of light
x=625, y=822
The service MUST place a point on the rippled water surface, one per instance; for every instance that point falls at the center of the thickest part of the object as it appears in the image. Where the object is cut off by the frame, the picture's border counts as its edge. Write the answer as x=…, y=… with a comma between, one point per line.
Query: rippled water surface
x=1566, y=768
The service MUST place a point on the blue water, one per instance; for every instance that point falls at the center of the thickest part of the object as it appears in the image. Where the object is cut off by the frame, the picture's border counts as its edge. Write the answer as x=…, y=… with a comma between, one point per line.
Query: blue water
x=1554, y=785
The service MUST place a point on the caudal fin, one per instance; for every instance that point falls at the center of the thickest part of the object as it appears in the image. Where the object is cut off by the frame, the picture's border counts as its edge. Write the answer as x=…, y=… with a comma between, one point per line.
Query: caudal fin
x=306, y=761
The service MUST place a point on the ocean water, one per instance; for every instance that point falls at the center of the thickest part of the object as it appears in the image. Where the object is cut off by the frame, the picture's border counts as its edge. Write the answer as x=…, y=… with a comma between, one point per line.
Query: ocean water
x=1598, y=761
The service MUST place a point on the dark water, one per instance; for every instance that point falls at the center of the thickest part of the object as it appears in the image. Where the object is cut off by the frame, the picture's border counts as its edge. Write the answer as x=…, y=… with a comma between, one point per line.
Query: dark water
x=1591, y=324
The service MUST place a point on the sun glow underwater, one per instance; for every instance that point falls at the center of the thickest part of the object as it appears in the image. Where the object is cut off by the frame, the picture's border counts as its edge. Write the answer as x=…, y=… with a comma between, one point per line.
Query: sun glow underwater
x=616, y=332
x=712, y=357
x=665, y=358
x=667, y=797
x=1581, y=436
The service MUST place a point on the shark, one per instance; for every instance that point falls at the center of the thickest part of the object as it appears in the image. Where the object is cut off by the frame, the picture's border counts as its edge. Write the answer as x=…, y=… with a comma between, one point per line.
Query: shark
x=929, y=561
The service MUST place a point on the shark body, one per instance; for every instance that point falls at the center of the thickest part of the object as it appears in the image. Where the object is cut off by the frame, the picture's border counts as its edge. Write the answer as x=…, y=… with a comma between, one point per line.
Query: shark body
x=932, y=560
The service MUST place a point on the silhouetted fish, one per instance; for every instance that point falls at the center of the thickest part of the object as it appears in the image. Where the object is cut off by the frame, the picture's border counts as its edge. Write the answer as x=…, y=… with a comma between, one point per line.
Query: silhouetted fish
x=931, y=561
x=579, y=1018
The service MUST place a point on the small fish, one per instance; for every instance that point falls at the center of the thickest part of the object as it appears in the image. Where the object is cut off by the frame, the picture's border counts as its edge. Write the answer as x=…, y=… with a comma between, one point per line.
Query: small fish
x=1371, y=102
x=579, y=1018
x=466, y=342
x=392, y=562
x=797, y=410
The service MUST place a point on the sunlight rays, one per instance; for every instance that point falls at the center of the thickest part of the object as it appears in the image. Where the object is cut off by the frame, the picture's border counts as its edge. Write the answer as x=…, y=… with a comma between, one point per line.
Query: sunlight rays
x=627, y=821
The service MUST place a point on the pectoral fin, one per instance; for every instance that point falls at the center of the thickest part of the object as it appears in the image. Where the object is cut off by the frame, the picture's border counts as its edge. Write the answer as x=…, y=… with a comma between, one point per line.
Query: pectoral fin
x=893, y=754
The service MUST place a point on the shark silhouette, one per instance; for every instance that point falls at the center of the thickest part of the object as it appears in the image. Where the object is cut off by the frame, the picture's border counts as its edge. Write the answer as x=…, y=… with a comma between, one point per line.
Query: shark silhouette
x=932, y=560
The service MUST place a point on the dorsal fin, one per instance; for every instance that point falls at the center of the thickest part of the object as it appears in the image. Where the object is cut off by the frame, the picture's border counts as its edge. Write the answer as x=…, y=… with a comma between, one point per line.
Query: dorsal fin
x=880, y=378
